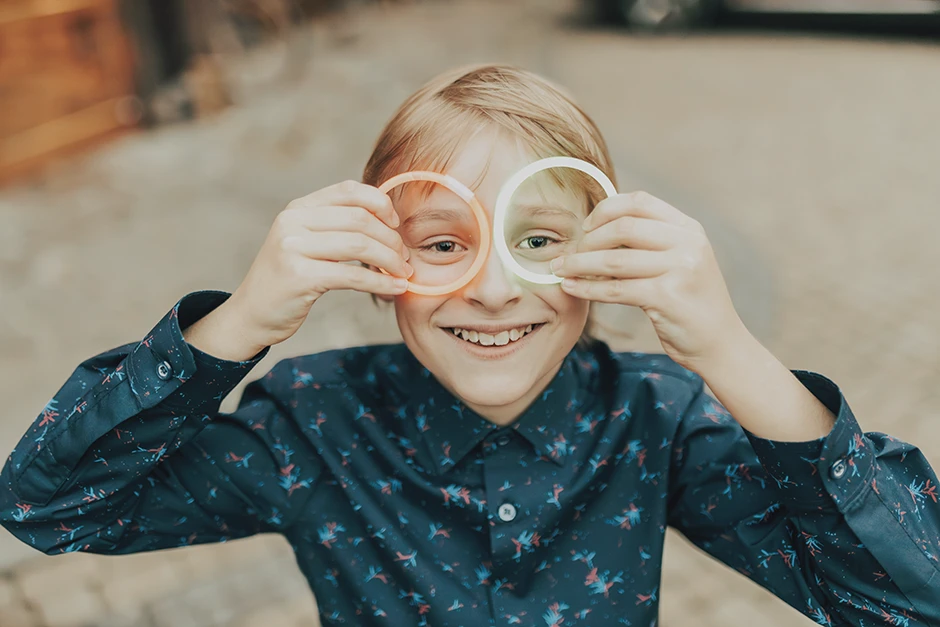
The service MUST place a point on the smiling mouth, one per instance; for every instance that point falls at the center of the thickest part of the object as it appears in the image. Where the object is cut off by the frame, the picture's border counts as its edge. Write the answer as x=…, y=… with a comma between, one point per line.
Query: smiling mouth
x=503, y=338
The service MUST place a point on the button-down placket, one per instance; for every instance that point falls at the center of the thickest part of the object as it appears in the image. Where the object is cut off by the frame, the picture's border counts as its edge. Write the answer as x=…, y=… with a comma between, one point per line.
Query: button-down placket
x=510, y=487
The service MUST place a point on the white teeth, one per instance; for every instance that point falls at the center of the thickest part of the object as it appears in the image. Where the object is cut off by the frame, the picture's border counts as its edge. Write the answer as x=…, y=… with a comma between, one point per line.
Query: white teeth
x=500, y=339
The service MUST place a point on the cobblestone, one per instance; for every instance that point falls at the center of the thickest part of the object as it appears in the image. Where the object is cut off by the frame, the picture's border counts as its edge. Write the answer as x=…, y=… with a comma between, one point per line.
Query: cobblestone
x=809, y=160
x=17, y=616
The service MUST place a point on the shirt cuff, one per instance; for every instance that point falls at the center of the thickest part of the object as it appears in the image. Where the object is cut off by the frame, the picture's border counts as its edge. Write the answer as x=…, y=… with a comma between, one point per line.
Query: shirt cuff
x=825, y=474
x=163, y=361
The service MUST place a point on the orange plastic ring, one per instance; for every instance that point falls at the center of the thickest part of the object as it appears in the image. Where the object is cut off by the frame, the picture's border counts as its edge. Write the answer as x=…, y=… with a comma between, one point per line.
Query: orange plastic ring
x=467, y=196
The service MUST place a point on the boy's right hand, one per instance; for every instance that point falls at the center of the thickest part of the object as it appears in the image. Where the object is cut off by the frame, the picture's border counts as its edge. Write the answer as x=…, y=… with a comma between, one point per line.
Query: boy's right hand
x=301, y=259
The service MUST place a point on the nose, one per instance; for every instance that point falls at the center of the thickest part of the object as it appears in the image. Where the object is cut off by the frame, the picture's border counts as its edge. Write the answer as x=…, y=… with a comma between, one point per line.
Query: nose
x=495, y=287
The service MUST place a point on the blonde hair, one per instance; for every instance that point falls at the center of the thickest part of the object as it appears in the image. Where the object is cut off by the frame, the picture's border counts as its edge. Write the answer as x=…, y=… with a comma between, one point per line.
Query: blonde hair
x=430, y=127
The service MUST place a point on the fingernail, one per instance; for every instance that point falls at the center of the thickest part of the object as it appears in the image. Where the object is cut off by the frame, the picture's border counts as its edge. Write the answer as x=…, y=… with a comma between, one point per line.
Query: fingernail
x=556, y=264
x=569, y=283
x=396, y=221
x=409, y=270
x=401, y=284
x=405, y=253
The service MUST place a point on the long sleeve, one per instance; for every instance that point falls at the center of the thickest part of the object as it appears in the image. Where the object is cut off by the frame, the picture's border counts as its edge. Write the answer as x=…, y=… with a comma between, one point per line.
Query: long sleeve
x=133, y=455
x=846, y=529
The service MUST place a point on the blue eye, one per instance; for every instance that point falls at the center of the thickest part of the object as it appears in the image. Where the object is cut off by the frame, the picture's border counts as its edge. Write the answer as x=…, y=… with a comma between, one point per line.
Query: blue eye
x=444, y=247
x=537, y=241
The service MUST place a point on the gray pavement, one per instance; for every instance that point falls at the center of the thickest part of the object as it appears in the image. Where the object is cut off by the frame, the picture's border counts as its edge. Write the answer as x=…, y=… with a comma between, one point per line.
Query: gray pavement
x=811, y=161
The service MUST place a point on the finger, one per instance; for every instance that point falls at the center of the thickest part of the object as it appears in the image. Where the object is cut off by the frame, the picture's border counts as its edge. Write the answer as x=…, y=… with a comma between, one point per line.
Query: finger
x=355, y=194
x=355, y=220
x=639, y=204
x=616, y=263
x=632, y=232
x=633, y=292
x=345, y=246
x=338, y=276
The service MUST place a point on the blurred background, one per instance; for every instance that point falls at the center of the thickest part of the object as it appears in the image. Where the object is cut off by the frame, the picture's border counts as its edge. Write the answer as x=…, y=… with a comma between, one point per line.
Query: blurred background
x=146, y=146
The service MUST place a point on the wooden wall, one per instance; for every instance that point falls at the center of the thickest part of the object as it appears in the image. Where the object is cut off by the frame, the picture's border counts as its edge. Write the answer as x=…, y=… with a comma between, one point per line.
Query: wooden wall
x=66, y=80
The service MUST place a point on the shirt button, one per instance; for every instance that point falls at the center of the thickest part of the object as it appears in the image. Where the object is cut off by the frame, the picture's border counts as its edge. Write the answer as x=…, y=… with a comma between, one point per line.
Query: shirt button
x=506, y=512
x=164, y=370
x=838, y=469
x=503, y=440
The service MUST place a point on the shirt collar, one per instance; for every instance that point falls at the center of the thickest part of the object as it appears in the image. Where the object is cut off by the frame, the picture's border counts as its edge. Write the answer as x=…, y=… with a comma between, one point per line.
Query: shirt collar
x=451, y=429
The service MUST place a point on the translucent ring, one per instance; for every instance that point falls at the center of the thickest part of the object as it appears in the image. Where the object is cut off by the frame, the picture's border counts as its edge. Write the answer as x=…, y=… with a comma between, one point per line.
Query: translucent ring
x=501, y=211
x=468, y=197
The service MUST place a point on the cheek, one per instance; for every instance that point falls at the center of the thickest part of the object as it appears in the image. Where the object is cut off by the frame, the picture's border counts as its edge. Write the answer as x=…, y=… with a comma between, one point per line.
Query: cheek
x=564, y=302
x=571, y=311
x=414, y=312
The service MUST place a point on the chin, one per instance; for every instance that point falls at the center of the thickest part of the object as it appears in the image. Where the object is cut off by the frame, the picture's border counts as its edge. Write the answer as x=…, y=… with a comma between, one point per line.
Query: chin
x=496, y=375
x=493, y=389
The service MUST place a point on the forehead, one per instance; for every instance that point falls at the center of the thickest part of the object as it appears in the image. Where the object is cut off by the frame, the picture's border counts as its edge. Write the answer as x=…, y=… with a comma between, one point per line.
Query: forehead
x=484, y=163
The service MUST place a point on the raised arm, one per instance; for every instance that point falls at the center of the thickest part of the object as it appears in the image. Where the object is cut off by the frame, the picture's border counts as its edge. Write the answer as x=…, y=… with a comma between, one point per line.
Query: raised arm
x=132, y=453
x=846, y=528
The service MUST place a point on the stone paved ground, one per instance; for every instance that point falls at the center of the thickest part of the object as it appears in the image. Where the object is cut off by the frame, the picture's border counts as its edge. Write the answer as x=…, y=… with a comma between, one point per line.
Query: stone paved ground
x=811, y=160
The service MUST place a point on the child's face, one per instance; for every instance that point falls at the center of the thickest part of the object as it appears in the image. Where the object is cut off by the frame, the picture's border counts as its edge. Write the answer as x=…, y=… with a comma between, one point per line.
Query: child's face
x=498, y=382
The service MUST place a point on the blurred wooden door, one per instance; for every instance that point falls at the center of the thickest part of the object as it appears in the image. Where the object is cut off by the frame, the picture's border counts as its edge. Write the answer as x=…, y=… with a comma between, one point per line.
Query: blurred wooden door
x=66, y=79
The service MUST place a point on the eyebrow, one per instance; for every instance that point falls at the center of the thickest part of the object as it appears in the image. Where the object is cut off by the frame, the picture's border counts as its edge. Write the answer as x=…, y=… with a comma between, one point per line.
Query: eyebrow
x=537, y=211
x=435, y=215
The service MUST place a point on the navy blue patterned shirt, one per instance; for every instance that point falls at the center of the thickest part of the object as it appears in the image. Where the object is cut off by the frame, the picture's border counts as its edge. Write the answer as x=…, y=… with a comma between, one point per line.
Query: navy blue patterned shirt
x=405, y=507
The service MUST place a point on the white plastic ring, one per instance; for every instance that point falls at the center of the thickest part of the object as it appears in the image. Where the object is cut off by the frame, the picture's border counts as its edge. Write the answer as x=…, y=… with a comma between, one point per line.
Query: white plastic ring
x=501, y=211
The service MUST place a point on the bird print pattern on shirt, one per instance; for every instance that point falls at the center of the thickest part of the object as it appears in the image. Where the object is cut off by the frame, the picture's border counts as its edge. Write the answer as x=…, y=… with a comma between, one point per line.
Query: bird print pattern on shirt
x=405, y=507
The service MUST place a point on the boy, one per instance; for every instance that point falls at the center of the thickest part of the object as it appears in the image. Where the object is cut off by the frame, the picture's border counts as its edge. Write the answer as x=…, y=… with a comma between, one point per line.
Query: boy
x=498, y=467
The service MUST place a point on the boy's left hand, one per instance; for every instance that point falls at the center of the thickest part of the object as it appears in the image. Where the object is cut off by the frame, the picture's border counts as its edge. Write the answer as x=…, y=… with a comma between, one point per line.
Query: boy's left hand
x=638, y=250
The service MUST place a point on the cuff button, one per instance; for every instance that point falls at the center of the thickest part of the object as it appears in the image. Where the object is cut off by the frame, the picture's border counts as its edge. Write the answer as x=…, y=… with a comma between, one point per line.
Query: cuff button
x=164, y=370
x=838, y=469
